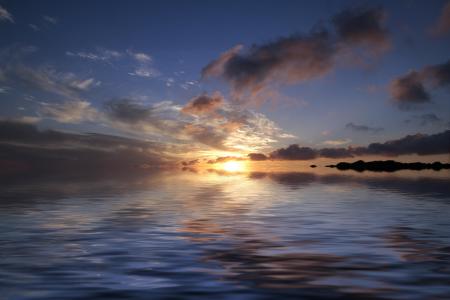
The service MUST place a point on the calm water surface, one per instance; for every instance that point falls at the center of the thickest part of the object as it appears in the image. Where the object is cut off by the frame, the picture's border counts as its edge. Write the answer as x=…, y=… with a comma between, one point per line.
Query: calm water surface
x=222, y=236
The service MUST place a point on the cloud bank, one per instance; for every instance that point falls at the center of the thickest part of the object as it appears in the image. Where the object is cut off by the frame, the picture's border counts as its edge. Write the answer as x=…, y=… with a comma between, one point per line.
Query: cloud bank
x=420, y=144
x=25, y=148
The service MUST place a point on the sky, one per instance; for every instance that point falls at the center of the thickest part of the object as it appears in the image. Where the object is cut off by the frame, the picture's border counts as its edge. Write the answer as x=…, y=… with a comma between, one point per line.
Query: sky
x=158, y=81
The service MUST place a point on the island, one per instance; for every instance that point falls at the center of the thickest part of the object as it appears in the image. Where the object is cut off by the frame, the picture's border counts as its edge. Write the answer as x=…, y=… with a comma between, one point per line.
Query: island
x=388, y=166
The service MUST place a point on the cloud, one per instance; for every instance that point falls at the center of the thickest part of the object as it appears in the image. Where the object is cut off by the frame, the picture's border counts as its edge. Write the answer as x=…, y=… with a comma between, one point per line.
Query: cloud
x=5, y=15
x=50, y=20
x=142, y=62
x=100, y=54
x=337, y=142
x=299, y=57
x=143, y=68
x=70, y=112
x=409, y=90
x=425, y=119
x=217, y=66
x=190, y=162
x=257, y=156
x=224, y=159
x=140, y=56
x=85, y=84
x=31, y=149
x=145, y=71
x=438, y=75
x=127, y=110
x=64, y=84
x=363, y=128
x=294, y=152
x=442, y=25
x=4, y=89
x=203, y=104
x=363, y=26
x=287, y=60
x=420, y=144
x=335, y=153
x=229, y=128
x=34, y=27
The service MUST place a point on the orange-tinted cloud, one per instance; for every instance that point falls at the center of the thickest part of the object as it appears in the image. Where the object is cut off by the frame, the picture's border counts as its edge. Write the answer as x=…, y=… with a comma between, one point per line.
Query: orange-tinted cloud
x=203, y=104
x=442, y=25
x=412, y=89
x=298, y=57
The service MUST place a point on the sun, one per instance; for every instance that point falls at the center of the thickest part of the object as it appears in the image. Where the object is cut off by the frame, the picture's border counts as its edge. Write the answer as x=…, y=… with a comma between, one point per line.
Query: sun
x=233, y=166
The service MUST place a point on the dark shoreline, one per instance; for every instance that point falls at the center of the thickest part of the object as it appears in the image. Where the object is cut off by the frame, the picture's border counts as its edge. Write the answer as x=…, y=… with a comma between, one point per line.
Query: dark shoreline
x=388, y=166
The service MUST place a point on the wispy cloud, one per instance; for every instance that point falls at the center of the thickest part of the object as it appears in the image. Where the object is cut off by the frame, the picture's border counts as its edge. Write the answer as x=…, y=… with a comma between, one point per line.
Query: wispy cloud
x=363, y=128
x=206, y=121
x=4, y=89
x=84, y=85
x=338, y=142
x=99, y=54
x=34, y=27
x=51, y=20
x=142, y=62
x=140, y=56
x=143, y=67
x=425, y=120
x=5, y=15
x=70, y=111
x=145, y=71
x=64, y=84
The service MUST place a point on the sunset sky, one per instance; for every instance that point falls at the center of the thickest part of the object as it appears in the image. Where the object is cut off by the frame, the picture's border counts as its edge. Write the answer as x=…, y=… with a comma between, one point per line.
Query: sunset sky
x=157, y=81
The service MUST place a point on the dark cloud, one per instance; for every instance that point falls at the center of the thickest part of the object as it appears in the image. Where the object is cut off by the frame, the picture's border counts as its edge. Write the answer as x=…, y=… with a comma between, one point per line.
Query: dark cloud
x=335, y=152
x=438, y=74
x=127, y=110
x=420, y=144
x=25, y=148
x=412, y=89
x=363, y=128
x=442, y=25
x=425, y=119
x=190, y=162
x=257, y=156
x=362, y=27
x=298, y=57
x=290, y=59
x=409, y=90
x=294, y=152
x=203, y=104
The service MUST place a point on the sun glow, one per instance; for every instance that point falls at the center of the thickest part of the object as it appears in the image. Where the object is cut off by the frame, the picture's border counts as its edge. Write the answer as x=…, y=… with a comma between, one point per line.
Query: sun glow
x=233, y=166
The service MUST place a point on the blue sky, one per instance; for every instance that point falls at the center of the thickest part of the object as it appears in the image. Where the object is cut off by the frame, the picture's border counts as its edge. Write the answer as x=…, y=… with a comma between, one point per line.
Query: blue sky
x=151, y=53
